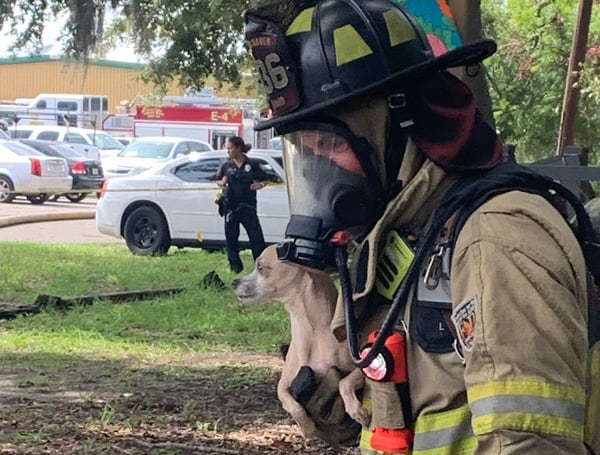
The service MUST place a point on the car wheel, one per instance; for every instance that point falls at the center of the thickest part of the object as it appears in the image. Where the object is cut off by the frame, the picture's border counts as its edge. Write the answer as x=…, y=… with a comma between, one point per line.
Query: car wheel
x=6, y=185
x=146, y=232
x=75, y=197
x=38, y=199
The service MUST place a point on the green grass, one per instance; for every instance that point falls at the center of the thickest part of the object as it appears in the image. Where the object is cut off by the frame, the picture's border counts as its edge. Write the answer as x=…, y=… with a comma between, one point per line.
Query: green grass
x=196, y=320
x=155, y=377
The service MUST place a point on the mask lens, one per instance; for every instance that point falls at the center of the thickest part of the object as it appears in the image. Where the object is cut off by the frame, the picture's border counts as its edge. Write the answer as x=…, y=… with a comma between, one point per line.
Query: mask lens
x=332, y=147
x=328, y=191
x=326, y=180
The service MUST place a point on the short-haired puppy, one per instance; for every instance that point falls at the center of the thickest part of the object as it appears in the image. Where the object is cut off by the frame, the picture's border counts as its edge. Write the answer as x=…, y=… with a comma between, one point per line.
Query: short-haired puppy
x=309, y=296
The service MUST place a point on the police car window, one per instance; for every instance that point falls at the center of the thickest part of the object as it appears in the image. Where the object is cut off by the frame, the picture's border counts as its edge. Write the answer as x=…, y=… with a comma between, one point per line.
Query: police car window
x=268, y=169
x=48, y=135
x=199, y=171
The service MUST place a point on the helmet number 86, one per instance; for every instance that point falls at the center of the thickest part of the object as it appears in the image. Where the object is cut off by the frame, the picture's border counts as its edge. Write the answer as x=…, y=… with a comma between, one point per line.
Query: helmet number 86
x=272, y=75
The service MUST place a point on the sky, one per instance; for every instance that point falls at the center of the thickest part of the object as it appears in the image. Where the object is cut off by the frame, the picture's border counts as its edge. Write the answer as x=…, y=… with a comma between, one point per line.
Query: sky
x=51, y=45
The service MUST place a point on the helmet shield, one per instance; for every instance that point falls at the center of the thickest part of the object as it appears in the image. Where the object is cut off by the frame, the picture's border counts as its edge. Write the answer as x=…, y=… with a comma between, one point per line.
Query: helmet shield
x=331, y=188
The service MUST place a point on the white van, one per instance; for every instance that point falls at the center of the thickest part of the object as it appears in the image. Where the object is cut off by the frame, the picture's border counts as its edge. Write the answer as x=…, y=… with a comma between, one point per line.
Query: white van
x=66, y=109
x=95, y=144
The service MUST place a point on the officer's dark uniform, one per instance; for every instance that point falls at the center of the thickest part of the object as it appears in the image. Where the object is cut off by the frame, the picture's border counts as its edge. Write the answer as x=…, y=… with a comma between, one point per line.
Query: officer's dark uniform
x=241, y=208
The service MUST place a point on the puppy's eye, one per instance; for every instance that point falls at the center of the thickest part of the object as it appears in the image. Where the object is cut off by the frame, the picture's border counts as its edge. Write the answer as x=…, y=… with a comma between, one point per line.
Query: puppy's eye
x=262, y=269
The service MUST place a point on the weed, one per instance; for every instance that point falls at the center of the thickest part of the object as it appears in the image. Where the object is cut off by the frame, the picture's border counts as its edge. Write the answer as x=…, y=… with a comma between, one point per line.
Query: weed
x=107, y=415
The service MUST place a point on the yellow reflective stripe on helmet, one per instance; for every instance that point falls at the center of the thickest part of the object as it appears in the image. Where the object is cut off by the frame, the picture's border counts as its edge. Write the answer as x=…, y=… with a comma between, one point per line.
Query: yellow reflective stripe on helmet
x=399, y=30
x=302, y=22
x=593, y=404
x=349, y=45
x=444, y=433
x=531, y=405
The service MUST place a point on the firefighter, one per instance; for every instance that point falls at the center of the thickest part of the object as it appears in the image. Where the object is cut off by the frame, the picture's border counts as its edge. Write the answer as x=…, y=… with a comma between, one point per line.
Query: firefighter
x=487, y=351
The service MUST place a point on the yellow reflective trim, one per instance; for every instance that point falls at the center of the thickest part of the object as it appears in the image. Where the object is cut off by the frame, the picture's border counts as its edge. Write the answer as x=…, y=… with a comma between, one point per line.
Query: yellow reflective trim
x=442, y=420
x=464, y=447
x=534, y=388
x=438, y=433
x=520, y=421
x=365, y=439
x=399, y=30
x=594, y=399
x=349, y=45
x=302, y=23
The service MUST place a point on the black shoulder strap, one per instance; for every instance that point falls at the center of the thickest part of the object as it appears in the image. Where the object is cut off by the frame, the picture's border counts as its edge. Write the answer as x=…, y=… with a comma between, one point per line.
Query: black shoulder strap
x=472, y=191
x=464, y=197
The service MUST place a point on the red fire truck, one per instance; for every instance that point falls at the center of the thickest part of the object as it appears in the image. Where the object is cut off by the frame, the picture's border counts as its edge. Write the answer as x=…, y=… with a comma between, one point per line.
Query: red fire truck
x=213, y=124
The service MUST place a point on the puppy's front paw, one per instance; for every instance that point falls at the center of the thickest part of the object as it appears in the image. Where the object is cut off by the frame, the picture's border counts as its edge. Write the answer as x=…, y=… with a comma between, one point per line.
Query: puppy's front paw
x=361, y=415
x=306, y=424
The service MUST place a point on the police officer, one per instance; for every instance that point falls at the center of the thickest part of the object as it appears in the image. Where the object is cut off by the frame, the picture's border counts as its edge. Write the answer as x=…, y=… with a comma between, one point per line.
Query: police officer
x=241, y=177
x=375, y=132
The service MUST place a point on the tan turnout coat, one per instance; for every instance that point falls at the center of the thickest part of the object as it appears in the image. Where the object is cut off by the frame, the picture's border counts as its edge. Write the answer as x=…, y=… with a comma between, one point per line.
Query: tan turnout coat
x=518, y=272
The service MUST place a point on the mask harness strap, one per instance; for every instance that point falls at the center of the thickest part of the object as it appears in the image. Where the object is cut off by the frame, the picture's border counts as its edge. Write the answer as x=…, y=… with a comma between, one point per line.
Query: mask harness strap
x=400, y=123
x=400, y=113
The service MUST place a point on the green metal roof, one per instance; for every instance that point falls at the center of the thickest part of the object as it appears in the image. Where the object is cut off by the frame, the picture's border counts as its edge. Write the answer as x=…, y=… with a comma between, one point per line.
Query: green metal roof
x=48, y=58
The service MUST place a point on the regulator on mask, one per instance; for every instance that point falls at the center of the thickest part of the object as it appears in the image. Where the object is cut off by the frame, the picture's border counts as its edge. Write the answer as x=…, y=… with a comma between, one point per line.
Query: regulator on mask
x=332, y=187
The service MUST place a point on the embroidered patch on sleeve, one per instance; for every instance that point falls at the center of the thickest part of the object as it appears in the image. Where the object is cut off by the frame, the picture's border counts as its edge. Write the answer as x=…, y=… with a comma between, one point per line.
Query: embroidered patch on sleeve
x=463, y=318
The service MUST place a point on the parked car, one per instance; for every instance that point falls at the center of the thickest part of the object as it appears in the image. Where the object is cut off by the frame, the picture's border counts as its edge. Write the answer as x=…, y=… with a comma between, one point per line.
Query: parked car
x=87, y=173
x=25, y=171
x=145, y=152
x=173, y=204
x=125, y=140
x=275, y=143
x=95, y=144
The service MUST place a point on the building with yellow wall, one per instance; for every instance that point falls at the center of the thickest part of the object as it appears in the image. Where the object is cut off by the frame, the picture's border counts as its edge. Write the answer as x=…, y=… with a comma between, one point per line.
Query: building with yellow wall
x=26, y=77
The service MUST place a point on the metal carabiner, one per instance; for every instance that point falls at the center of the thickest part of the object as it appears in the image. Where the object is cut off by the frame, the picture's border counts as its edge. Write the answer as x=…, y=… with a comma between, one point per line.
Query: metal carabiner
x=433, y=273
x=458, y=351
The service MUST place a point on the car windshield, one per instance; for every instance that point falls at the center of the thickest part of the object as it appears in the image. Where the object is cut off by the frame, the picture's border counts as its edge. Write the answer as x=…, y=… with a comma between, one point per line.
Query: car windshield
x=143, y=149
x=105, y=141
x=21, y=149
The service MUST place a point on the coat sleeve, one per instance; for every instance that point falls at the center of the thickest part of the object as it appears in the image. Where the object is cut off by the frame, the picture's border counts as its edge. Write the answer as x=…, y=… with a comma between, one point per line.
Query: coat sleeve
x=520, y=311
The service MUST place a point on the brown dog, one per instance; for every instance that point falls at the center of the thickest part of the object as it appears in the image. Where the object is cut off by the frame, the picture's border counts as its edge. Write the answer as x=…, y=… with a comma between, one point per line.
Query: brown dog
x=309, y=296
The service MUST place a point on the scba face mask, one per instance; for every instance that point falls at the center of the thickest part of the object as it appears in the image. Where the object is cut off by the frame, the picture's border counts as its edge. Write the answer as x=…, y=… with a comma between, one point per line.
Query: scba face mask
x=332, y=188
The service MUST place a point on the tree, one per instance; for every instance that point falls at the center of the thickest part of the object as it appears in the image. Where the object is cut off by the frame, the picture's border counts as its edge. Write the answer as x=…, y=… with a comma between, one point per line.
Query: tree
x=191, y=40
x=529, y=71
x=183, y=39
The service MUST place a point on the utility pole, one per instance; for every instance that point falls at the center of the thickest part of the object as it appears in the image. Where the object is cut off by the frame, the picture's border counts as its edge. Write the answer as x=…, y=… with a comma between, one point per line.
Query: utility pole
x=566, y=134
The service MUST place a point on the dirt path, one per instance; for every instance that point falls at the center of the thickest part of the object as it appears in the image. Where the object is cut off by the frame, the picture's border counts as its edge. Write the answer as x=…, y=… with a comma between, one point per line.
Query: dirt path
x=223, y=403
